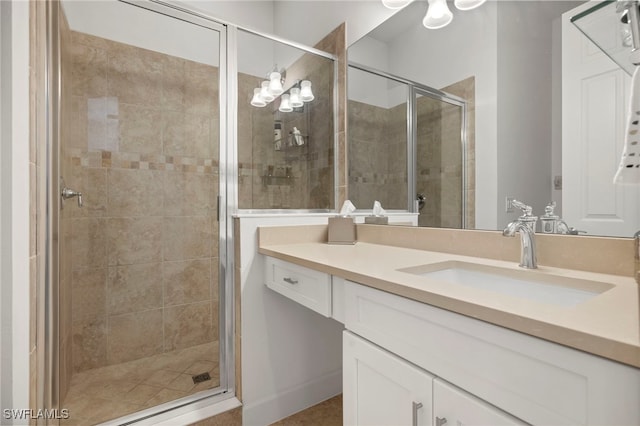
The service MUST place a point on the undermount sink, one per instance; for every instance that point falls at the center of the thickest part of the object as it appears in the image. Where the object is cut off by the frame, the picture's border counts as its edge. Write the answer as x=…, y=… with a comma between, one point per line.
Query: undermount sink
x=530, y=285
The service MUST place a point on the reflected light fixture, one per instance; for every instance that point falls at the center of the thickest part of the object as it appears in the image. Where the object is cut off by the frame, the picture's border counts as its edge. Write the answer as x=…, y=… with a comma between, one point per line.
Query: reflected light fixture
x=285, y=105
x=395, y=4
x=438, y=15
x=294, y=97
x=275, y=83
x=257, y=100
x=305, y=91
x=468, y=4
x=264, y=92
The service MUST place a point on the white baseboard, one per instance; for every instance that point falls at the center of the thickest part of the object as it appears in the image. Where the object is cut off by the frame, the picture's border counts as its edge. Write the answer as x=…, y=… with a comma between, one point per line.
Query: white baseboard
x=291, y=401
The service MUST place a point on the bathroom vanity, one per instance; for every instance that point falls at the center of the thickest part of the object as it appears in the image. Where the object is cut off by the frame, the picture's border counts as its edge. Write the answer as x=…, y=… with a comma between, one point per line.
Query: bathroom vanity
x=436, y=338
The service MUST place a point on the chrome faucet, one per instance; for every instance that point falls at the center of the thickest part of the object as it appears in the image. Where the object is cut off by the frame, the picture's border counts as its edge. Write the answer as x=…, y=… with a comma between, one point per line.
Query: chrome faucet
x=525, y=225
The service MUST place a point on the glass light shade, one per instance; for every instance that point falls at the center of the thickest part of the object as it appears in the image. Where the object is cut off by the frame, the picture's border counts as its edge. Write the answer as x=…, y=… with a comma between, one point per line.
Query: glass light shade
x=438, y=15
x=294, y=98
x=285, y=105
x=468, y=4
x=257, y=100
x=275, y=85
x=305, y=91
x=396, y=4
x=264, y=92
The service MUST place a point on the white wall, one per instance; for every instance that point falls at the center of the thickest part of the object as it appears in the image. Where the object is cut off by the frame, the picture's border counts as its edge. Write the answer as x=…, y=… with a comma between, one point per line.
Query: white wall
x=291, y=356
x=14, y=205
x=308, y=21
x=525, y=99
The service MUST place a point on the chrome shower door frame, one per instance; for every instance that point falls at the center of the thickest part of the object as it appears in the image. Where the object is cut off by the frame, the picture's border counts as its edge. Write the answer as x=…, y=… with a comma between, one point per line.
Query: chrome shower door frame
x=48, y=315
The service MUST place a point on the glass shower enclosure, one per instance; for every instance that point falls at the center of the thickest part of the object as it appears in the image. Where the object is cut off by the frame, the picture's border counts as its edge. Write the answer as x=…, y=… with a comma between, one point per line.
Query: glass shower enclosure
x=408, y=148
x=139, y=306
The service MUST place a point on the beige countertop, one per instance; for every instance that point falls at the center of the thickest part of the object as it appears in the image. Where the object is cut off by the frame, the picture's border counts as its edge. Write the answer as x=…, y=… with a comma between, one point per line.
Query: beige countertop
x=607, y=325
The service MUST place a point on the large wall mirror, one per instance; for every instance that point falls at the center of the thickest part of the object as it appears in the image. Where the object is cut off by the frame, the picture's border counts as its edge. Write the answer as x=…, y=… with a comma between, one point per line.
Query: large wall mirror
x=548, y=109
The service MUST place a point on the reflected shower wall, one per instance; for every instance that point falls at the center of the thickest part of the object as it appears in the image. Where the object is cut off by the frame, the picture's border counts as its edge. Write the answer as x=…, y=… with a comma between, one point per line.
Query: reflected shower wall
x=275, y=171
x=377, y=117
x=439, y=169
x=444, y=164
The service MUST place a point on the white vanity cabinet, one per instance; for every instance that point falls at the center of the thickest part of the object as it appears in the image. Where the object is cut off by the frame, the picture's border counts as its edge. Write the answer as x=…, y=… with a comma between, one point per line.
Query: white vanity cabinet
x=407, y=362
x=380, y=388
x=534, y=381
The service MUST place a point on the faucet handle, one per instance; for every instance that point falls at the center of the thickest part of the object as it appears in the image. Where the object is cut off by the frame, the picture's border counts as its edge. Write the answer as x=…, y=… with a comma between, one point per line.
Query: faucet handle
x=522, y=206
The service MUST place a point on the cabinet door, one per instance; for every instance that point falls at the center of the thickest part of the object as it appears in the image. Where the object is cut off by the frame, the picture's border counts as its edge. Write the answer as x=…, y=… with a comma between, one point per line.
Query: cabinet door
x=382, y=389
x=454, y=407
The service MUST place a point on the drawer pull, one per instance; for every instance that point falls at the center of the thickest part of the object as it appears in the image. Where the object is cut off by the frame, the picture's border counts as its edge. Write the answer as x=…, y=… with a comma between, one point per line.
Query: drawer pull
x=440, y=421
x=414, y=417
x=290, y=280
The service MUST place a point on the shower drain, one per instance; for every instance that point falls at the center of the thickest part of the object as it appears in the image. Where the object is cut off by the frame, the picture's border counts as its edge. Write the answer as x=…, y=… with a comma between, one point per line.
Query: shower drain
x=199, y=378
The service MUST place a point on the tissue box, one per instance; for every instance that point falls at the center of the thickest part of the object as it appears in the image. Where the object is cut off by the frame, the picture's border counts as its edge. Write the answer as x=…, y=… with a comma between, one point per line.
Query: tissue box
x=376, y=220
x=342, y=230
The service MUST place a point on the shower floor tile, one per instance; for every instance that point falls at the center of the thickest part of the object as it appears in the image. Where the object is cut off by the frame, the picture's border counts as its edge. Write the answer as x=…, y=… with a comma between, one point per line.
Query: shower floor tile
x=114, y=391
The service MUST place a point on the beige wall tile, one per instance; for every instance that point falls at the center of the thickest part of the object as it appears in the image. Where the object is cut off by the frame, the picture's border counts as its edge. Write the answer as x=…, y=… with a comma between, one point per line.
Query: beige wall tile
x=89, y=242
x=134, y=193
x=134, y=75
x=187, y=325
x=89, y=294
x=186, y=281
x=135, y=335
x=89, y=344
x=187, y=238
x=190, y=194
x=134, y=240
x=88, y=70
x=173, y=83
x=134, y=288
x=139, y=129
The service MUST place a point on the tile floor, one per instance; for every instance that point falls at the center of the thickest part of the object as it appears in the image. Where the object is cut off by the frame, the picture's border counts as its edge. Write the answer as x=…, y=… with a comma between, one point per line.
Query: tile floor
x=327, y=413
x=110, y=392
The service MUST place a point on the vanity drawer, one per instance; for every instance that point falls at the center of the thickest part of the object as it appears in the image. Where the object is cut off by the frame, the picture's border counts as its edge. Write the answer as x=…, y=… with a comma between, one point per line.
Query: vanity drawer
x=306, y=286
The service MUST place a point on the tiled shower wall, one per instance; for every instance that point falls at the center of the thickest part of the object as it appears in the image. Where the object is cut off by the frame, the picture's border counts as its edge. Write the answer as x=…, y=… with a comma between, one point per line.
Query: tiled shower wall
x=377, y=155
x=143, y=151
x=294, y=177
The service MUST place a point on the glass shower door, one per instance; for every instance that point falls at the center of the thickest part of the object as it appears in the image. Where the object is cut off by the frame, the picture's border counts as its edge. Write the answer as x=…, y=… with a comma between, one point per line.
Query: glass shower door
x=139, y=311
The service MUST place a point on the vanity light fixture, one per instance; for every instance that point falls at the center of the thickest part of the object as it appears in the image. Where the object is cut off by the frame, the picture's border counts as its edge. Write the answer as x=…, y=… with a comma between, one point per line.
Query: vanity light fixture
x=305, y=91
x=438, y=13
x=265, y=94
x=396, y=4
x=275, y=83
x=294, y=98
x=285, y=105
x=468, y=4
x=257, y=100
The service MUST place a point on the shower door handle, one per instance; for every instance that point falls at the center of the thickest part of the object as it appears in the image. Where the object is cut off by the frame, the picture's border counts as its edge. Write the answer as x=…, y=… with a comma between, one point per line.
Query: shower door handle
x=70, y=193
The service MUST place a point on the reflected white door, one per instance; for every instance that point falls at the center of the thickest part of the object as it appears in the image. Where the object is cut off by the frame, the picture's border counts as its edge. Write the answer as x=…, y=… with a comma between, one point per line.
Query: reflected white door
x=594, y=102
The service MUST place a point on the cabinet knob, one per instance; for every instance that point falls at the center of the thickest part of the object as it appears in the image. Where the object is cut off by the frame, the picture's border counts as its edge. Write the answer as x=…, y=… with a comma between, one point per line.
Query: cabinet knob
x=290, y=280
x=440, y=421
x=414, y=416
